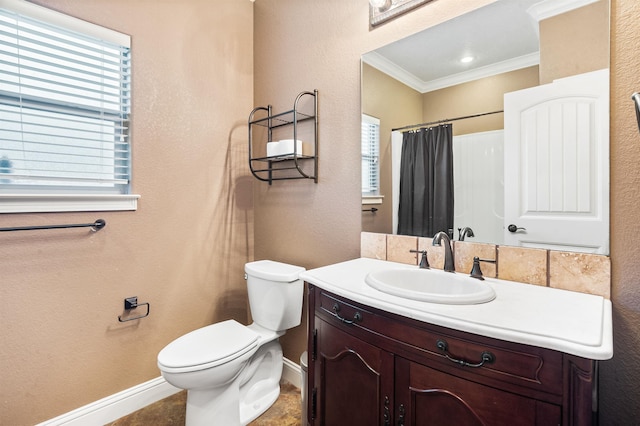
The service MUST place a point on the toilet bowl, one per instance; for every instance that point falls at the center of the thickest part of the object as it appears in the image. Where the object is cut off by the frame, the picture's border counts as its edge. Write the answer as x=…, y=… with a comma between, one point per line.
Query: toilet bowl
x=232, y=372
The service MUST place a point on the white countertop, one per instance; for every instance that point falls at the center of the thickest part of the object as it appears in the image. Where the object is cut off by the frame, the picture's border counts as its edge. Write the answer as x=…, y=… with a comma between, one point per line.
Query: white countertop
x=574, y=323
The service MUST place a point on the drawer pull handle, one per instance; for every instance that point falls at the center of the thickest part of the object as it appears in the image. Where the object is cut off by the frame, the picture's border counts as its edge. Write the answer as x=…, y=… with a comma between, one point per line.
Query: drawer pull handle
x=356, y=317
x=486, y=356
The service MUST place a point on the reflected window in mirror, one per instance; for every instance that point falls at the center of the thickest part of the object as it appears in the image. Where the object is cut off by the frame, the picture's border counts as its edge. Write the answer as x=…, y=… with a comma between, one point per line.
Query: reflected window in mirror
x=370, y=143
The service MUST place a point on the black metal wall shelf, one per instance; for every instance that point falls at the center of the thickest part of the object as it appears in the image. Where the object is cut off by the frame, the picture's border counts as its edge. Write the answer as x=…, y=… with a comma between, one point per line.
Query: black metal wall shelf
x=282, y=119
x=290, y=166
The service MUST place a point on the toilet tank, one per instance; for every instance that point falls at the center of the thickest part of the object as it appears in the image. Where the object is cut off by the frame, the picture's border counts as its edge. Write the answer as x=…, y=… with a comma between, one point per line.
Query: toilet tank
x=275, y=294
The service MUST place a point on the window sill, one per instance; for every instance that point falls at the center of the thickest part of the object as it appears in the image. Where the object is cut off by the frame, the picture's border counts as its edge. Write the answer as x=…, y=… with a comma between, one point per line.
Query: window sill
x=372, y=199
x=26, y=203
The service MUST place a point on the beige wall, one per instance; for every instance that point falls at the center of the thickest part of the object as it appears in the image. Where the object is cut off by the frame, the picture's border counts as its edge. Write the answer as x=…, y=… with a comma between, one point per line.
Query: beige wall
x=476, y=97
x=620, y=376
x=573, y=43
x=395, y=105
x=61, y=345
x=319, y=46
x=306, y=45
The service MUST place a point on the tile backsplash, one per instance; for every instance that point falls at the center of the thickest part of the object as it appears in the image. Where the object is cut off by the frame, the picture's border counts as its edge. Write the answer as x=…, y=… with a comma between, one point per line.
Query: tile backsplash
x=581, y=272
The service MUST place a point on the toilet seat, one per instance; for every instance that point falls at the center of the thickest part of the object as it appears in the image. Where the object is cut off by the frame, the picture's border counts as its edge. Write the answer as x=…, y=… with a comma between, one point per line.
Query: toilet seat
x=208, y=347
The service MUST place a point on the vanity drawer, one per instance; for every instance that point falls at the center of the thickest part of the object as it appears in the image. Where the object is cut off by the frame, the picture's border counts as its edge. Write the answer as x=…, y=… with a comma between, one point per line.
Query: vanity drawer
x=526, y=366
x=522, y=365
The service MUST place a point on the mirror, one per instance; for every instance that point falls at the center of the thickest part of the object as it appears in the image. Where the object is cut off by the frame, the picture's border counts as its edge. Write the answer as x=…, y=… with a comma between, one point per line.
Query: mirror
x=514, y=45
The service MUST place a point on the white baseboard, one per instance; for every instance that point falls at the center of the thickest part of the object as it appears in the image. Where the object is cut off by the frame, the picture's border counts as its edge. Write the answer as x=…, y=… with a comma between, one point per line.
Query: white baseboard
x=111, y=408
x=118, y=405
x=291, y=372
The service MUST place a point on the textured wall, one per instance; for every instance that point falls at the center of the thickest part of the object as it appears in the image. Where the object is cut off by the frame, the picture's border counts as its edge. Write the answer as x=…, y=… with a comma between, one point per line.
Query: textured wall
x=620, y=393
x=574, y=42
x=61, y=345
x=306, y=45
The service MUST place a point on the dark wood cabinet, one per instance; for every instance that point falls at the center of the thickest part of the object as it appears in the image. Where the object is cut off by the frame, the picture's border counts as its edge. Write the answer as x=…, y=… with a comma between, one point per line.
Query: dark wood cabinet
x=436, y=398
x=370, y=367
x=369, y=374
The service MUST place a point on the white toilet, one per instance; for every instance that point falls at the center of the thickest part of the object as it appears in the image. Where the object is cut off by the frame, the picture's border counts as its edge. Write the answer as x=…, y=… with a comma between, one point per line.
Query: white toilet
x=231, y=371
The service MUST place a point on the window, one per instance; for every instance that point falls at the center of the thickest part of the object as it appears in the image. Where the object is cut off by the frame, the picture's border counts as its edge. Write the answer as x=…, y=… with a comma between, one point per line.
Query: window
x=370, y=141
x=64, y=113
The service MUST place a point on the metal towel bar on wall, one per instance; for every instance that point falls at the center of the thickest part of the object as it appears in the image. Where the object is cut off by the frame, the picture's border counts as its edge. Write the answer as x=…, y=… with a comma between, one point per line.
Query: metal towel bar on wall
x=636, y=100
x=95, y=226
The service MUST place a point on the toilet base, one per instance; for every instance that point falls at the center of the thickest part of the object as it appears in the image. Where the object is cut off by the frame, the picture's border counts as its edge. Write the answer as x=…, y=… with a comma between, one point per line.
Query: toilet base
x=260, y=382
x=201, y=411
x=251, y=410
x=250, y=394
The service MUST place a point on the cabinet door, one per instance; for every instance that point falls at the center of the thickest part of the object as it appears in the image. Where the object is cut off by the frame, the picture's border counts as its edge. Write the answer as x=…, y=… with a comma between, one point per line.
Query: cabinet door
x=354, y=380
x=425, y=396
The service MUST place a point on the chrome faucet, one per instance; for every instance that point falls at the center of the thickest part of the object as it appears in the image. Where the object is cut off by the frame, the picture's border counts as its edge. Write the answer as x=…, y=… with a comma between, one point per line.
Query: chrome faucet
x=465, y=232
x=448, y=254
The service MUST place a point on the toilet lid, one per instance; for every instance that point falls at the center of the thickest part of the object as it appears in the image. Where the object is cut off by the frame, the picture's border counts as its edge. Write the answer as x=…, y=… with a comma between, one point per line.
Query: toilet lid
x=208, y=346
x=273, y=271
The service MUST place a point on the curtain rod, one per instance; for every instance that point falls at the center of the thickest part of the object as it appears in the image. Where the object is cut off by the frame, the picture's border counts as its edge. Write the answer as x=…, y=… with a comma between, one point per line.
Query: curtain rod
x=446, y=120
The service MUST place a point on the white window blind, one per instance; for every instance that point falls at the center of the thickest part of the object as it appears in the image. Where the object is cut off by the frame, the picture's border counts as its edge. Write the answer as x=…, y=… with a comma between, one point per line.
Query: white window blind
x=370, y=141
x=64, y=104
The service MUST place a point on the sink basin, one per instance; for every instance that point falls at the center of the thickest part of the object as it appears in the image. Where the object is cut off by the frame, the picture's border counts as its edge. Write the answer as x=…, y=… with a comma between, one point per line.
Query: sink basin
x=430, y=285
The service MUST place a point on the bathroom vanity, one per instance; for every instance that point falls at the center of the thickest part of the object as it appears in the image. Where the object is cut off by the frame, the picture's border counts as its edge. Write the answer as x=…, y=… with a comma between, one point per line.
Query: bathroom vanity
x=528, y=357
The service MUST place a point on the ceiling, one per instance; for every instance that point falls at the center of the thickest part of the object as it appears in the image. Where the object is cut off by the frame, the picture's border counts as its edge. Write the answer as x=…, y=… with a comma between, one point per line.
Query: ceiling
x=502, y=36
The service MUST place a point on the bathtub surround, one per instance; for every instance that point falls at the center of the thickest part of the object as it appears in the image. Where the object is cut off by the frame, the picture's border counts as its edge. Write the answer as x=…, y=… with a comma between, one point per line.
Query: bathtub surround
x=581, y=272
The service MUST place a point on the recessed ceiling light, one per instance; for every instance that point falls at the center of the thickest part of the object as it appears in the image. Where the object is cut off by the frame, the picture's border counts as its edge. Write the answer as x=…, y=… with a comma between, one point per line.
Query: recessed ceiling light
x=466, y=59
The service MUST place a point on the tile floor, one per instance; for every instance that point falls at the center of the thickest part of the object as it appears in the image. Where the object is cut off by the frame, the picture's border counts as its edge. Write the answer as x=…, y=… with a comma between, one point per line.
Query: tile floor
x=286, y=411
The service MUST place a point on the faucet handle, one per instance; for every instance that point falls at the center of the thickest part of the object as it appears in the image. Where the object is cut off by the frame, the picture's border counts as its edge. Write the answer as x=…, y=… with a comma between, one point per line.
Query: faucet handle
x=424, y=263
x=476, y=272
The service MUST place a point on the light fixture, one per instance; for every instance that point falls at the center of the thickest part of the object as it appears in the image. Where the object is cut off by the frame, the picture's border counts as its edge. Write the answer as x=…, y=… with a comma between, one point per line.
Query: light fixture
x=466, y=59
x=383, y=10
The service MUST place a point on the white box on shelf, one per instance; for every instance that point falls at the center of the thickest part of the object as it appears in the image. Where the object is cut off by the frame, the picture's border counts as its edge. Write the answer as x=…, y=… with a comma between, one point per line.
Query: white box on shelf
x=273, y=149
x=302, y=148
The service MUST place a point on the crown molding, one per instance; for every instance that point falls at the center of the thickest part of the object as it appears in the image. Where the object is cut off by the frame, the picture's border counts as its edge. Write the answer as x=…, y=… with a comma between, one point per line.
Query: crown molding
x=382, y=64
x=483, y=72
x=550, y=8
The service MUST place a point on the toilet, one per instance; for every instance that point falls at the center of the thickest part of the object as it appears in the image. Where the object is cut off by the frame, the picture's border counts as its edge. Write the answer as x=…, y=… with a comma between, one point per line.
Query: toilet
x=231, y=371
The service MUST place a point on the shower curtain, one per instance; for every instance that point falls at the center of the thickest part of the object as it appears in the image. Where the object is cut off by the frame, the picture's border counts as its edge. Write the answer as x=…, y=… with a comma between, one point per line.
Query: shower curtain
x=426, y=182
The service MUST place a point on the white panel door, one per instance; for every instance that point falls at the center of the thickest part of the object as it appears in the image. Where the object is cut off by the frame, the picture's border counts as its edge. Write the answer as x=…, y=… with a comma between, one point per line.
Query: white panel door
x=557, y=165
